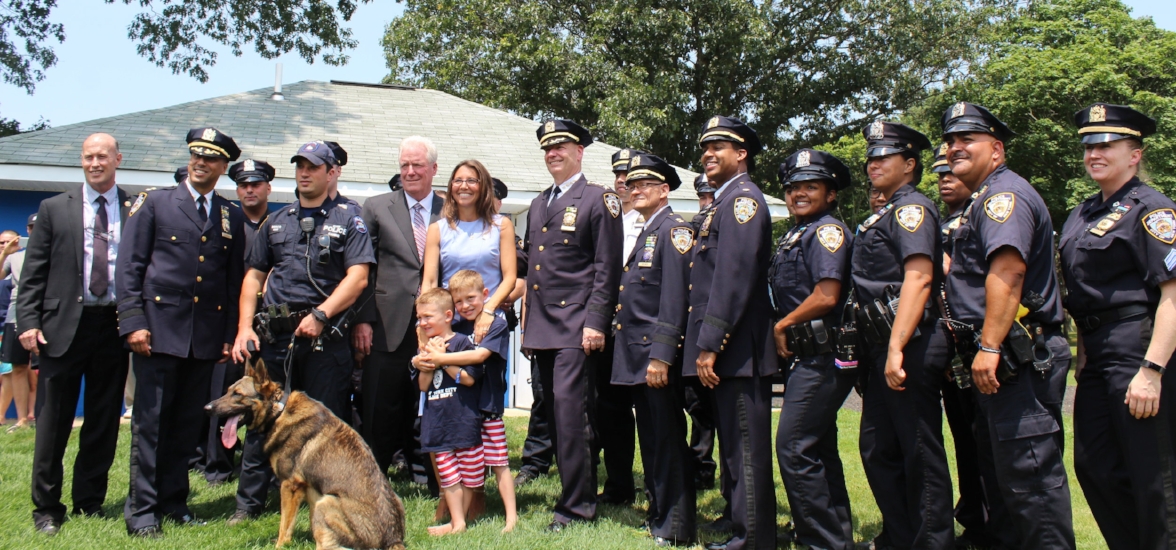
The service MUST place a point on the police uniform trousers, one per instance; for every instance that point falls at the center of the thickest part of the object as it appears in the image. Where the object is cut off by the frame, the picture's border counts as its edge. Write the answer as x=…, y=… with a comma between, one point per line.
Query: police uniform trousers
x=569, y=378
x=700, y=405
x=323, y=375
x=614, y=432
x=1120, y=460
x=390, y=399
x=806, y=446
x=1019, y=442
x=744, y=418
x=165, y=429
x=96, y=353
x=538, y=452
x=902, y=444
x=971, y=510
x=668, y=459
x=212, y=458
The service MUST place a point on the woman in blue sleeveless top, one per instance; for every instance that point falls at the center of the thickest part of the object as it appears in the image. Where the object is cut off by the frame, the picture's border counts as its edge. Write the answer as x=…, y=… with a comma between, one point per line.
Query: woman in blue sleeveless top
x=472, y=235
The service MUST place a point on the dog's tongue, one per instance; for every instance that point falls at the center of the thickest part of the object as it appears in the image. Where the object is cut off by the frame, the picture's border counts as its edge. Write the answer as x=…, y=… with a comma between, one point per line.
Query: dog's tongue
x=229, y=433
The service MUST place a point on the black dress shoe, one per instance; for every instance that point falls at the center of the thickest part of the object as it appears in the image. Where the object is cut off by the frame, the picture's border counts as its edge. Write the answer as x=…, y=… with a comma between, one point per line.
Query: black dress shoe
x=49, y=527
x=238, y=517
x=662, y=542
x=556, y=527
x=721, y=525
x=188, y=519
x=150, y=532
x=719, y=545
x=609, y=498
x=524, y=477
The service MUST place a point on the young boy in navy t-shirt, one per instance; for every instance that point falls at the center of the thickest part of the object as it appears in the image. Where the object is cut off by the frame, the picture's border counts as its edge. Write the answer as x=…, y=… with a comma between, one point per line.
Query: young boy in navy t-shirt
x=451, y=419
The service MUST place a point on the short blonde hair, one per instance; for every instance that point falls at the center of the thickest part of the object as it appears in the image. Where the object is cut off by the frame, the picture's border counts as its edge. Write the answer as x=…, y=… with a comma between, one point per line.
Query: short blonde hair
x=466, y=280
x=438, y=297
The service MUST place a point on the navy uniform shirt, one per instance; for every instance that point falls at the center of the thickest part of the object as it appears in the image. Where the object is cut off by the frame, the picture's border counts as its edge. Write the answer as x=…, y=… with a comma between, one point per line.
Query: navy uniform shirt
x=908, y=225
x=815, y=249
x=281, y=245
x=730, y=312
x=573, y=249
x=1006, y=211
x=180, y=277
x=1116, y=252
x=451, y=419
x=652, y=307
x=497, y=342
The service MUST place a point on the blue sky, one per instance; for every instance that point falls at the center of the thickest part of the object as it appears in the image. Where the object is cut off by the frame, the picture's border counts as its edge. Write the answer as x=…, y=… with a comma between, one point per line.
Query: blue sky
x=98, y=73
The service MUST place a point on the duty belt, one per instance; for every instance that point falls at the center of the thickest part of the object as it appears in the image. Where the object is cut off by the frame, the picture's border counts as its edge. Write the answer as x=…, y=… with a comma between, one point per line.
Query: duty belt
x=810, y=338
x=1093, y=321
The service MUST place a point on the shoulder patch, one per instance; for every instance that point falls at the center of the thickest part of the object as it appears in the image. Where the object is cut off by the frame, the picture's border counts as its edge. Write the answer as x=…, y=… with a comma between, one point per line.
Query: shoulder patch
x=683, y=239
x=613, y=203
x=359, y=226
x=1000, y=206
x=910, y=217
x=831, y=236
x=138, y=203
x=745, y=208
x=1161, y=224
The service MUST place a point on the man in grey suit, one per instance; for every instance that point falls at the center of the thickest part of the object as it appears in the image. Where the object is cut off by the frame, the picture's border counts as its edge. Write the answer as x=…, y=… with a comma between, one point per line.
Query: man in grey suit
x=66, y=314
x=385, y=331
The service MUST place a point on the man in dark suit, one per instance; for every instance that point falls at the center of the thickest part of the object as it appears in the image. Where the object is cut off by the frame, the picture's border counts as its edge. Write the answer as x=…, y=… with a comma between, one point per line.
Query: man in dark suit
x=68, y=283
x=574, y=241
x=179, y=282
x=385, y=331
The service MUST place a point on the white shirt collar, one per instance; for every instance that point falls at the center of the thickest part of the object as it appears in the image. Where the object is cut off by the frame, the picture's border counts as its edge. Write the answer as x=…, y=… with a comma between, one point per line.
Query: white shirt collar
x=563, y=187
x=196, y=195
x=110, y=194
x=725, y=184
x=654, y=216
x=426, y=202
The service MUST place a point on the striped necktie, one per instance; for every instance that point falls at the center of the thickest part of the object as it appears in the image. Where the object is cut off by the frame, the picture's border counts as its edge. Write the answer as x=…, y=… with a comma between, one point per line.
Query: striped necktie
x=418, y=229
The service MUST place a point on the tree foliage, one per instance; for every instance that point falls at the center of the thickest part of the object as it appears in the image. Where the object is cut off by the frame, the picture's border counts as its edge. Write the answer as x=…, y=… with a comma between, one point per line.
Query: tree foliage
x=24, y=32
x=649, y=73
x=10, y=126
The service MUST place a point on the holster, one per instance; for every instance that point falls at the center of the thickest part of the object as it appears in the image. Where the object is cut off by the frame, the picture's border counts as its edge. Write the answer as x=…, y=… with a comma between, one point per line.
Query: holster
x=809, y=339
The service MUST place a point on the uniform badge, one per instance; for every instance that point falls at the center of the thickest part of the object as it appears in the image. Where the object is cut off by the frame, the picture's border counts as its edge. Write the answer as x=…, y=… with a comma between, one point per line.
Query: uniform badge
x=226, y=229
x=569, y=219
x=438, y=377
x=745, y=208
x=682, y=239
x=1098, y=113
x=831, y=236
x=957, y=110
x=1161, y=224
x=248, y=166
x=1000, y=206
x=910, y=217
x=208, y=135
x=359, y=225
x=549, y=127
x=624, y=154
x=138, y=203
x=613, y=203
x=704, y=229
x=647, y=252
x=802, y=159
x=877, y=130
x=639, y=223
x=714, y=121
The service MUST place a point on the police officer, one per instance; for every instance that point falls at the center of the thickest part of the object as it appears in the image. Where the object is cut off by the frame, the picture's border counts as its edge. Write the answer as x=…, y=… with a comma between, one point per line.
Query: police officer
x=897, y=262
x=333, y=176
x=807, y=275
x=319, y=252
x=1002, y=260
x=574, y=240
x=1117, y=262
x=728, y=343
x=959, y=406
x=177, y=283
x=700, y=400
x=650, y=316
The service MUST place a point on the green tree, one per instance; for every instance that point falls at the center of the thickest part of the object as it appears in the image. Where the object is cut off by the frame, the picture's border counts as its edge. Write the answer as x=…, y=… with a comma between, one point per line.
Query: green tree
x=24, y=31
x=10, y=127
x=1057, y=57
x=650, y=73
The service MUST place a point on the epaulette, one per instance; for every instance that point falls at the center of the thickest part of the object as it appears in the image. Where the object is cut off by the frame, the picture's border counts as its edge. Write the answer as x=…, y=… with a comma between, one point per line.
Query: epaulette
x=600, y=185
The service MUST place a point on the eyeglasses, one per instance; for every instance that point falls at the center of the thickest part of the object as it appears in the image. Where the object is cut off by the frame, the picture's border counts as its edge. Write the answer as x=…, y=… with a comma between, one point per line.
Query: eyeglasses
x=875, y=192
x=467, y=182
x=324, y=253
x=644, y=184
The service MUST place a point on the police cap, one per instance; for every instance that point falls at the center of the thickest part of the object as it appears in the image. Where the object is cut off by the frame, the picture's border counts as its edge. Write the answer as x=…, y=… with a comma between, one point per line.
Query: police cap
x=722, y=128
x=888, y=138
x=317, y=152
x=644, y=166
x=339, y=152
x=703, y=185
x=1104, y=122
x=394, y=183
x=210, y=142
x=964, y=117
x=813, y=165
x=250, y=170
x=557, y=131
x=500, y=189
x=181, y=174
x=941, y=166
x=620, y=159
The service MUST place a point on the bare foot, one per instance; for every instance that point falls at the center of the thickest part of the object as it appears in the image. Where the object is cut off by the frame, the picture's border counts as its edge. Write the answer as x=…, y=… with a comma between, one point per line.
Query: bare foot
x=510, y=525
x=447, y=529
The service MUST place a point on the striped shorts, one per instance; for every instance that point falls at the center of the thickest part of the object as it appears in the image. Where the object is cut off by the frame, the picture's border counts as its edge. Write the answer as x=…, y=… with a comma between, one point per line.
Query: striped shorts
x=494, y=442
x=461, y=465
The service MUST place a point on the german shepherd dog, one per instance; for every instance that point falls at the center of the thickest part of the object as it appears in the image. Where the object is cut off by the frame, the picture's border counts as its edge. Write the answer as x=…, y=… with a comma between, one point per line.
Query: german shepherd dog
x=318, y=459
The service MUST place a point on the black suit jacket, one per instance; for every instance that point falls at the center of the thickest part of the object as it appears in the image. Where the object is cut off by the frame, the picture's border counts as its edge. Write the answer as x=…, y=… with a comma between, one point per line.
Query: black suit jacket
x=51, y=286
x=396, y=277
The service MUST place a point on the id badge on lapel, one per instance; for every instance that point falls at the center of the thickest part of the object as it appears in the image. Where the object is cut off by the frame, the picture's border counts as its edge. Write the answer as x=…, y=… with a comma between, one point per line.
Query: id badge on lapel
x=647, y=252
x=226, y=230
x=704, y=230
x=569, y=219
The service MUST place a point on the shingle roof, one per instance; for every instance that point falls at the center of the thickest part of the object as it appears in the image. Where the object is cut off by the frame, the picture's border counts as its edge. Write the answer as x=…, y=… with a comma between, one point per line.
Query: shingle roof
x=368, y=120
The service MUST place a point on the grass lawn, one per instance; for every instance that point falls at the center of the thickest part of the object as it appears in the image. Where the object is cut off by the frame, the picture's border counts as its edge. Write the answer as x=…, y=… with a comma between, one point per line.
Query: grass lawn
x=617, y=527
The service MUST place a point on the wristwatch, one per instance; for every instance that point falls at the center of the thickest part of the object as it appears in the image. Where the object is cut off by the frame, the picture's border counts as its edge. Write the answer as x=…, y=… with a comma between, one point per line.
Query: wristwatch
x=1149, y=365
x=989, y=350
x=319, y=315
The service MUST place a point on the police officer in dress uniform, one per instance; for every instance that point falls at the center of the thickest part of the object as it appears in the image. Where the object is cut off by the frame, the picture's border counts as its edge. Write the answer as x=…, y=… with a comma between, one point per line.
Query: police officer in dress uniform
x=1117, y=261
x=177, y=283
x=650, y=316
x=573, y=243
x=808, y=294
x=1002, y=278
x=897, y=264
x=729, y=343
x=700, y=400
x=959, y=406
x=319, y=252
